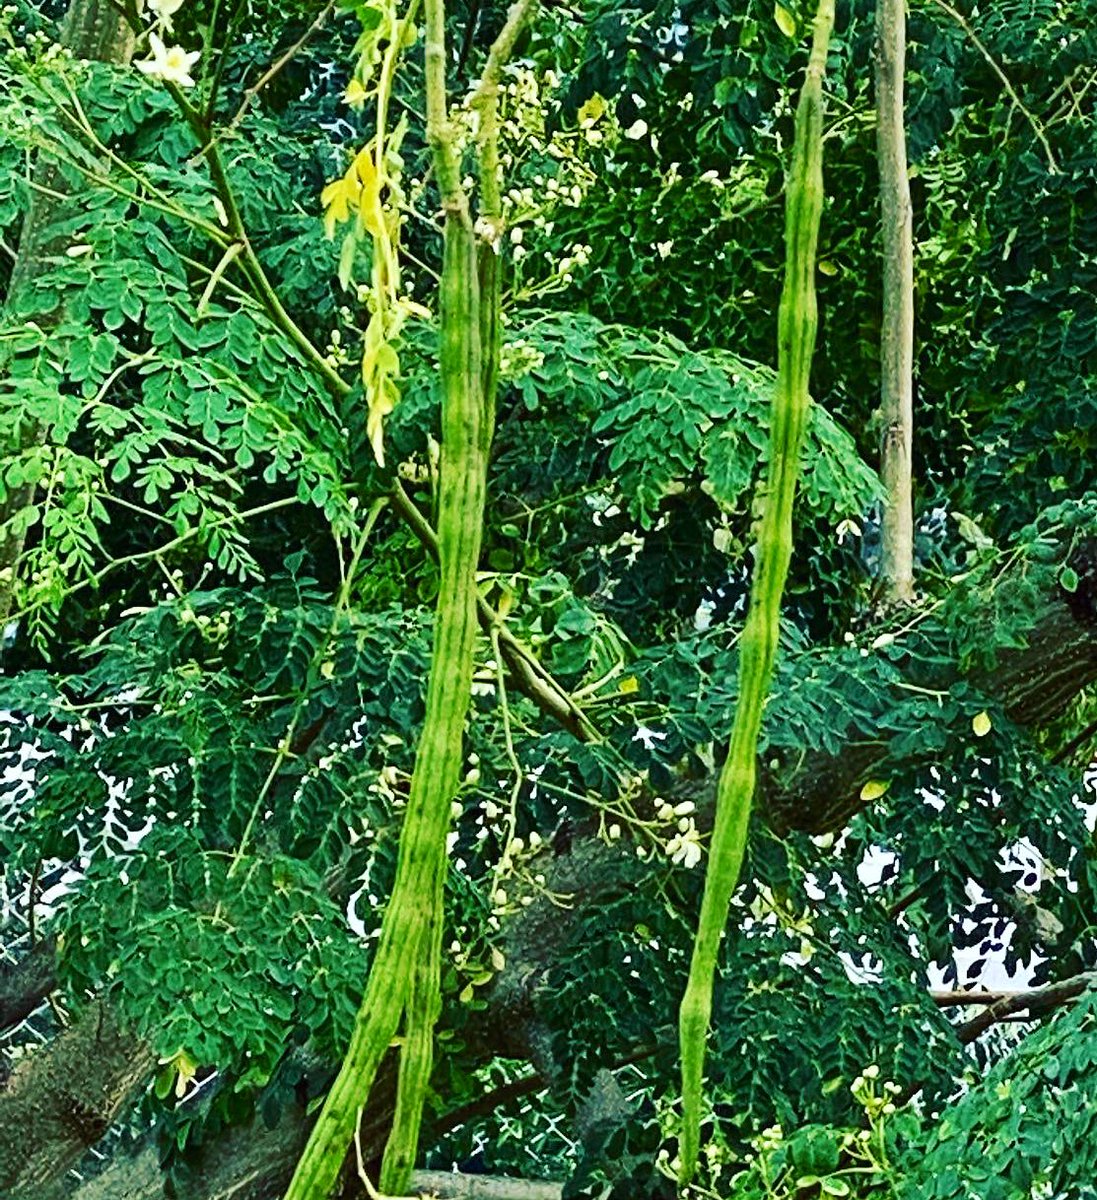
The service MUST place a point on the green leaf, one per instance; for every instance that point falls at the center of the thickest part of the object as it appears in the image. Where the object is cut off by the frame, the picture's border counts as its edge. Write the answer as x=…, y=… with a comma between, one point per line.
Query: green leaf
x=786, y=22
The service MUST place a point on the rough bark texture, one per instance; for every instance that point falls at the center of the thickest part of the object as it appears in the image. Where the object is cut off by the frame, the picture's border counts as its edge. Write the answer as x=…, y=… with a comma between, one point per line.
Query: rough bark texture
x=25, y=984
x=62, y=1099
x=897, y=331
x=97, y=30
x=261, y=1173
x=1034, y=686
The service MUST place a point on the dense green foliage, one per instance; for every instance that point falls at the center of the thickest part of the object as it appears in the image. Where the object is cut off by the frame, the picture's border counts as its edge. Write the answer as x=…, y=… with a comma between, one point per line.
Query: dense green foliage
x=212, y=705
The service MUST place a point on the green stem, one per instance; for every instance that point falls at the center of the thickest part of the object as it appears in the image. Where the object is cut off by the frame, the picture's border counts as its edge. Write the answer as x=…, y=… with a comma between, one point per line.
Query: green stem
x=284, y=749
x=486, y=102
x=404, y=979
x=159, y=552
x=796, y=326
x=253, y=268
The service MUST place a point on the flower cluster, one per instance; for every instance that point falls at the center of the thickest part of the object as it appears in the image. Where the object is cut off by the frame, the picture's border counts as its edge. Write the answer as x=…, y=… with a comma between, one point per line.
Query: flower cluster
x=684, y=847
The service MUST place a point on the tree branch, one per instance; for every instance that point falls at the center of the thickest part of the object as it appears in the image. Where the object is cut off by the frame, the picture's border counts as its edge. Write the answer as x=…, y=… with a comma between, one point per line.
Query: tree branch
x=1004, y=1006
x=277, y=66
x=26, y=984
x=977, y=42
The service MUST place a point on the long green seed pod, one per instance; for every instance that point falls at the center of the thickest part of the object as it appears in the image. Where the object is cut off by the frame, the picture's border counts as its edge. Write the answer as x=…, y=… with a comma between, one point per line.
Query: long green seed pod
x=403, y=979
x=424, y=1004
x=796, y=326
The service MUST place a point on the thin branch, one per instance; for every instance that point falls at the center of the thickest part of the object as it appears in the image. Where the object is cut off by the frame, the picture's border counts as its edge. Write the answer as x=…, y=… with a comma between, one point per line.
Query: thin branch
x=1007, y=1005
x=1037, y=128
x=467, y=42
x=285, y=748
x=278, y=65
x=158, y=552
x=905, y=901
x=253, y=268
x=486, y=102
x=530, y=677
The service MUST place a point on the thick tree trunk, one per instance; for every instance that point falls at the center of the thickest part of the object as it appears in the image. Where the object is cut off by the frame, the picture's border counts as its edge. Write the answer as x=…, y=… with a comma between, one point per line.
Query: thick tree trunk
x=62, y=1099
x=25, y=984
x=897, y=332
x=140, y=1178
x=93, y=29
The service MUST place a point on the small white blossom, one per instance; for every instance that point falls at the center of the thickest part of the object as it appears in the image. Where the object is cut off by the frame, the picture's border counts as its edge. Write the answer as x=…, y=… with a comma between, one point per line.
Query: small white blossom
x=163, y=11
x=172, y=64
x=684, y=849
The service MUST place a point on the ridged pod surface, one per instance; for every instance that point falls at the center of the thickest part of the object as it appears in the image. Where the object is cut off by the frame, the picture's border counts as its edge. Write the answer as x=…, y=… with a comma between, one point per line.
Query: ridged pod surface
x=404, y=977
x=796, y=326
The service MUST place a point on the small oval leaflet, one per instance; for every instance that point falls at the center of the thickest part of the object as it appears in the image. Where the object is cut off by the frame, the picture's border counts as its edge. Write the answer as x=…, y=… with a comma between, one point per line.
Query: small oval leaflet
x=786, y=22
x=981, y=724
x=874, y=789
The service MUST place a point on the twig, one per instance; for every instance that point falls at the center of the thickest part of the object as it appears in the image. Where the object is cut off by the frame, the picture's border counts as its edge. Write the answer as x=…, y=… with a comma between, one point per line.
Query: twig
x=1037, y=128
x=512, y=757
x=530, y=677
x=905, y=901
x=278, y=65
x=1075, y=743
x=1036, y=1002
x=285, y=748
x=144, y=555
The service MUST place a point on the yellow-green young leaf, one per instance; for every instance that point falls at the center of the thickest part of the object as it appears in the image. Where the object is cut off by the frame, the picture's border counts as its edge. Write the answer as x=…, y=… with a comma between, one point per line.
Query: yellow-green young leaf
x=874, y=789
x=592, y=111
x=826, y=267
x=786, y=22
x=498, y=961
x=628, y=685
x=981, y=724
x=346, y=260
x=466, y=994
x=186, y=1068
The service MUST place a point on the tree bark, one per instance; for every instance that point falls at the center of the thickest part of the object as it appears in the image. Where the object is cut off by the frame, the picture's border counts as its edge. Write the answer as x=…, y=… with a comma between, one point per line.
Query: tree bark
x=821, y=793
x=62, y=1098
x=25, y=984
x=897, y=332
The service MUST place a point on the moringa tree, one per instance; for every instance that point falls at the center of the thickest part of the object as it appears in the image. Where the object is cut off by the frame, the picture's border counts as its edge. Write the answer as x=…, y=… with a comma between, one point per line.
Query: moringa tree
x=226, y=617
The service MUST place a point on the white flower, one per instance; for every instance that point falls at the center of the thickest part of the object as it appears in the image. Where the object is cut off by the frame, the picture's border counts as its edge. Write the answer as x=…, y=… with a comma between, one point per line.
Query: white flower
x=169, y=63
x=164, y=10
x=684, y=849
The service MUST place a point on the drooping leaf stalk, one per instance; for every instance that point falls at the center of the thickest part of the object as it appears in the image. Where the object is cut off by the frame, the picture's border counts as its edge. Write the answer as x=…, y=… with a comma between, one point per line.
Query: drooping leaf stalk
x=796, y=326
x=405, y=977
